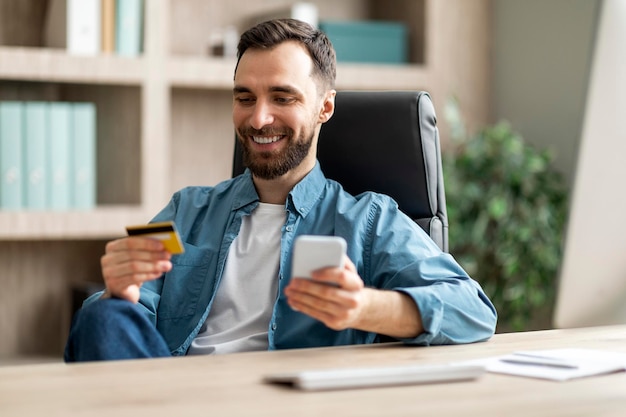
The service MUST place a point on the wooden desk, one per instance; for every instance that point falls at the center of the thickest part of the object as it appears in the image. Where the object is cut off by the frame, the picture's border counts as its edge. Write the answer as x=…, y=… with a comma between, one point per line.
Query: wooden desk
x=230, y=385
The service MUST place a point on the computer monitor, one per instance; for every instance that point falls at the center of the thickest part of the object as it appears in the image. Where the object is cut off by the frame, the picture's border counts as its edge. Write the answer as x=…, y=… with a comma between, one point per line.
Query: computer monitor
x=592, y=282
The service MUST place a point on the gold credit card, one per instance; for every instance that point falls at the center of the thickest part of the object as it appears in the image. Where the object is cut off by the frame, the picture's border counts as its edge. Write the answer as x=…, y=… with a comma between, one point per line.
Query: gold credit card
x=164, y=231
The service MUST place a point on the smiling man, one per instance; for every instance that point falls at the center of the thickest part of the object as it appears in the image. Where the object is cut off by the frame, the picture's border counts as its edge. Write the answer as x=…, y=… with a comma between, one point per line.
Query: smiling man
x=231, y=291
x=278, y=112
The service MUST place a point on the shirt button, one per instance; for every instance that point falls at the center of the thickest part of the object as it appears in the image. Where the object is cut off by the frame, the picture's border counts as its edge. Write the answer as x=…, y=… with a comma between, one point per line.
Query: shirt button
x=273, y=326
x=289, y=228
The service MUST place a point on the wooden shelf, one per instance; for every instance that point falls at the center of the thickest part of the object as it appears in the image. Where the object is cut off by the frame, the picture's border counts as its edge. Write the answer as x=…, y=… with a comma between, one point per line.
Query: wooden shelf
x=196, y=72
x=101, y=223
x=55, y=65
x=217, y=74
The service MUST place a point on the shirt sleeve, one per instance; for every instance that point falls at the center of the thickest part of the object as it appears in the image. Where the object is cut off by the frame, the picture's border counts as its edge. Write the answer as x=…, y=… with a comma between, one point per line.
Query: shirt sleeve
x=453, y=306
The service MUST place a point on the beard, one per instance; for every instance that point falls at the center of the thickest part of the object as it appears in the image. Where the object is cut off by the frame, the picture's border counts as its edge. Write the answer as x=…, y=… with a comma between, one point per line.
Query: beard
x=273, y=164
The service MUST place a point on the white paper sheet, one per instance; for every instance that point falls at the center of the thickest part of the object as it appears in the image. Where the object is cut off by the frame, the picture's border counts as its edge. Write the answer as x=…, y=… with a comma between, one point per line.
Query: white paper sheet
x=558, y=364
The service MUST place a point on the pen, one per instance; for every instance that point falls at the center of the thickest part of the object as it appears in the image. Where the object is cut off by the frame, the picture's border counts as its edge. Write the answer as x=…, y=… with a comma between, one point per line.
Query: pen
x=528, y=360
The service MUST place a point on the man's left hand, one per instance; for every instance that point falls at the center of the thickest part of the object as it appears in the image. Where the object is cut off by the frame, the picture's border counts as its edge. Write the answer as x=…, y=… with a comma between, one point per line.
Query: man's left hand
x=335, y=296
x=338, y=298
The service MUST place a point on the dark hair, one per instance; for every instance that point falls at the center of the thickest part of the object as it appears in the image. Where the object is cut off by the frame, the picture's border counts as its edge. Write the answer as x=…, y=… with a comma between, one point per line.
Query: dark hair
x=269, y=34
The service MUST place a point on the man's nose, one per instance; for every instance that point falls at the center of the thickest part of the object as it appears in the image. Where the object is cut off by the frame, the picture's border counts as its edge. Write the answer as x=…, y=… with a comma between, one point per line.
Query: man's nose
x=261, y=116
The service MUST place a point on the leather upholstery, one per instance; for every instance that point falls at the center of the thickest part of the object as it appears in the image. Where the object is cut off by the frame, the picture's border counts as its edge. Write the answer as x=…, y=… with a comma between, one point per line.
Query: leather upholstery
x=388, y=142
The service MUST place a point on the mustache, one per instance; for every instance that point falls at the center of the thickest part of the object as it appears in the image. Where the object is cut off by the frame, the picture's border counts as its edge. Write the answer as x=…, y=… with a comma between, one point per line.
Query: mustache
x=266, y=131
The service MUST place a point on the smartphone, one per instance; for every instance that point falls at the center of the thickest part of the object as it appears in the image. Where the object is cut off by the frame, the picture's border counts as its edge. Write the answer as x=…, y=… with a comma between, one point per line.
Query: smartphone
x=164, y=231
x=315, y=252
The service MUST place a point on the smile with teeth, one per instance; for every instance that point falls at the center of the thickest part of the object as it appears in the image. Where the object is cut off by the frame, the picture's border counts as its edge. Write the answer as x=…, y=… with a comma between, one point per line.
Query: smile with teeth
x=265, y=139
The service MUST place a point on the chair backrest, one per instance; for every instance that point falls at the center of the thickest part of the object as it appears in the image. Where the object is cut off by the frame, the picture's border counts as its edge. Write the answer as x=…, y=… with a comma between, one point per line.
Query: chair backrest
x=387, y=142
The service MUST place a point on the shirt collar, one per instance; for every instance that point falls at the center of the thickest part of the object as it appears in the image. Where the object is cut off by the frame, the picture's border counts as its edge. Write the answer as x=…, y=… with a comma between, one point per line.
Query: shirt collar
x=301, y=198
x=307, y=192
x=246, y=191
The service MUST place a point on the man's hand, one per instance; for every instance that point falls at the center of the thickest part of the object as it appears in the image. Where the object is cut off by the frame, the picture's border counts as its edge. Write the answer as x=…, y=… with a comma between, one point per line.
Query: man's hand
x=131, y=261
x=346, y=303
x=335, y=296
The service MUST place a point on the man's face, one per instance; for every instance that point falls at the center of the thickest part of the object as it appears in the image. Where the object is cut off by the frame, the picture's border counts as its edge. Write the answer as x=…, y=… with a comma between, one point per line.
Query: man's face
x=277, y=110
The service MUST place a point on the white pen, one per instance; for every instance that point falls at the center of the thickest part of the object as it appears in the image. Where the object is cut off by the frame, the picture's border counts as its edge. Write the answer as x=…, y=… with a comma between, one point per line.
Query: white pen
x=520, y=359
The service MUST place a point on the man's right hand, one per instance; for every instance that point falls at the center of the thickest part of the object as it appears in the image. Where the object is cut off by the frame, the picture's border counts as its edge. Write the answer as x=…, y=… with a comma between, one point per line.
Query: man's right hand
x=131, y=261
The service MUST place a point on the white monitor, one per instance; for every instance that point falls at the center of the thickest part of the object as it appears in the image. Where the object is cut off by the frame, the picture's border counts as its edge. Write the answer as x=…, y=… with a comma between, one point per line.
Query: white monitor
x=592, y=284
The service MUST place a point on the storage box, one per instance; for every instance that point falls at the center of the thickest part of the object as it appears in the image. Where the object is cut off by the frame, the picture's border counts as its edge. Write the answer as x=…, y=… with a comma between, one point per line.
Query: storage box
x=368, y=41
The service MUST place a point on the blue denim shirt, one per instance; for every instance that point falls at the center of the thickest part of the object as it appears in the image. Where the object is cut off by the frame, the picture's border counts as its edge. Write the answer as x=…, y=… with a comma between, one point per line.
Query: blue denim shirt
x=389, y=250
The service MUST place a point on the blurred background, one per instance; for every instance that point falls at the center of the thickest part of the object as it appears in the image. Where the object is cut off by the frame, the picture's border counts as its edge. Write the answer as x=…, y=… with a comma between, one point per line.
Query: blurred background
x=508, y=79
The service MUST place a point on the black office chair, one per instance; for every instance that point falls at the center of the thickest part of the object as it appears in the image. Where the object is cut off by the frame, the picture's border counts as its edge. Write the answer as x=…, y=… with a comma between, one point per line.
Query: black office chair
x=388, y=142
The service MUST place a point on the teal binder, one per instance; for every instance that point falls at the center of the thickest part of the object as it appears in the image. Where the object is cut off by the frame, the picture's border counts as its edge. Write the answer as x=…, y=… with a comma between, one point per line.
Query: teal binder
x=35, y=140
x=128, y=27
x=11, y=132
x=83, y=154
x=375, y=42
x=59, y=156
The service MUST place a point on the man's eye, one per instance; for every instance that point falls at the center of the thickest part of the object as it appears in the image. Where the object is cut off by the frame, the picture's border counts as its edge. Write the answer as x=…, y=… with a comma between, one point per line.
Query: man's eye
x=284, y=100
x=244, y=100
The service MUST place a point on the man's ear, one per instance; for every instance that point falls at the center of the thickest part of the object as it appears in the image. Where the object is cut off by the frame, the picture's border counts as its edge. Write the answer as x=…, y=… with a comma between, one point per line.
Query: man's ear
x=328, y=106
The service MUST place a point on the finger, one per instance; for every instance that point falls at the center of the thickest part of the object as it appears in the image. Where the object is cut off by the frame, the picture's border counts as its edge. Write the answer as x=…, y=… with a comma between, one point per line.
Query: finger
x=335, y=316
x=136, y=271
x=323, y=316
x=119, y=277
x=348, y=264
x=346, y=278
x=130, y=293
x=320, y=296
x=131, y=261
x=135, y=243
x=127, y=286
x=134, y=255
x=119, y=257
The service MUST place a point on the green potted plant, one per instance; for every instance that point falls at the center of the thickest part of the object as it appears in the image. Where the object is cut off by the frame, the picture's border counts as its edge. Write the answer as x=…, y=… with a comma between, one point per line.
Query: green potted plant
x=507, y=207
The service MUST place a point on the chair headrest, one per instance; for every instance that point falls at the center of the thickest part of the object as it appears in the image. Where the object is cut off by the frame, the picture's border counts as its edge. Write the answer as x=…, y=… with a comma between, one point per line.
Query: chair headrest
x=384, y=141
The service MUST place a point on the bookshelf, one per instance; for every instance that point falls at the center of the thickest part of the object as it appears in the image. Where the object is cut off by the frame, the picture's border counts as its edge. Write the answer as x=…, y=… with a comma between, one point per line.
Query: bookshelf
x=164, y=122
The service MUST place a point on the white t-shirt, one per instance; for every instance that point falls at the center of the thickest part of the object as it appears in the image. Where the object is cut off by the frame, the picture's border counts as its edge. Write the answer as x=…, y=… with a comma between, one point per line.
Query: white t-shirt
x=244, y=302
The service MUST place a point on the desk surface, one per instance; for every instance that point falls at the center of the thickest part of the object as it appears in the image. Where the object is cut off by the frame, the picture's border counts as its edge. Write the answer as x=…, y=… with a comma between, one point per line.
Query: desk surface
x=230, y=385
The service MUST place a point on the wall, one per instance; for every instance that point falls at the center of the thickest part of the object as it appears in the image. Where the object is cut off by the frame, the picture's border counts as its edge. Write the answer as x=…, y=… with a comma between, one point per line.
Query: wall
x=541, y=58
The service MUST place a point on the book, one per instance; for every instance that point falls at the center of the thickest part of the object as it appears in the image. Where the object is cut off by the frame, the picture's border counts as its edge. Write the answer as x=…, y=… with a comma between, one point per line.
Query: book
x=11, y=129
x=74, y=25
x=83, y=27
x=107, y=26
x=35, y=169
x=368, y=41
x=83, y=156
x=128, y=27
x=59, y=120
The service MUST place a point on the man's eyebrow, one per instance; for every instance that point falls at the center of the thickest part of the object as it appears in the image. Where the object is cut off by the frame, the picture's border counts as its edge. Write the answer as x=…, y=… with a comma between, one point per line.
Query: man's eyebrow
x=276, y=89
x=285, y=89
x=239, y=90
